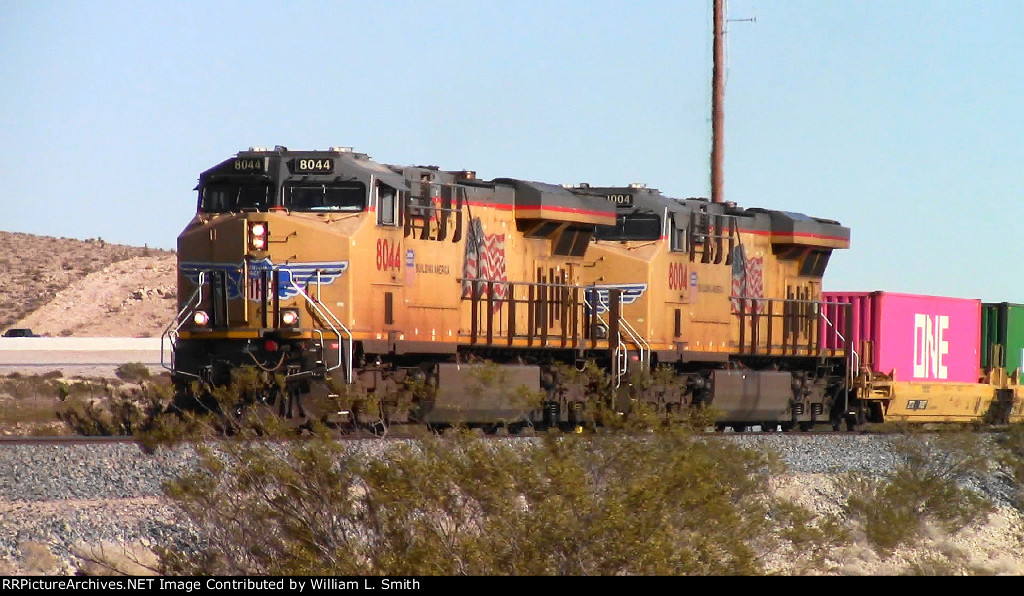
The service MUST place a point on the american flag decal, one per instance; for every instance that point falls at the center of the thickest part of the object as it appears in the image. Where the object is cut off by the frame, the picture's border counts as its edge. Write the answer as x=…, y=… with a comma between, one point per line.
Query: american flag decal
x=485, y=261
x=747, y=282
x=755, y=284
x=256, y=289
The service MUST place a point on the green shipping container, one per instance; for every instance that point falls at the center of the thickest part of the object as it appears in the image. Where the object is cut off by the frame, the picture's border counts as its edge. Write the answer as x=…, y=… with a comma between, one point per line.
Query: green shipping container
x=1002, y=336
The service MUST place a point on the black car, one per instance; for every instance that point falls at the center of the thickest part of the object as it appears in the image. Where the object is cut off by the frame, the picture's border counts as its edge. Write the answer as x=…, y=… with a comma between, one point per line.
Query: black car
x=19, y=333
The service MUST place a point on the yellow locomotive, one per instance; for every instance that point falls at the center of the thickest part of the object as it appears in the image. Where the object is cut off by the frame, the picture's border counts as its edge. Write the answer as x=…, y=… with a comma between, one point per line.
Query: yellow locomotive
x=336, y=276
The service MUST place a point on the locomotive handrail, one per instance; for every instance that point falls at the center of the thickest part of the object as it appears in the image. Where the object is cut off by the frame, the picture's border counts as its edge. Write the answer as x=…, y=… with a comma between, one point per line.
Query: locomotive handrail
x=853, y=356
x=486, y=303
x=482, y=294
x=621, y=351
x=620, y=355
x=708, y=230
x=172, y=335
x=853, y=351
x=326, y=314
x=769, y=314
x=424, y=209
x=621, y=359
x=319, y=332
x=634, y=335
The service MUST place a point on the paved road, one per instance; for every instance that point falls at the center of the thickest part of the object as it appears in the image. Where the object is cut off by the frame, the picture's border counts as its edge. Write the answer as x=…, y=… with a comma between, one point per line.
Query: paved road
x=77, y=355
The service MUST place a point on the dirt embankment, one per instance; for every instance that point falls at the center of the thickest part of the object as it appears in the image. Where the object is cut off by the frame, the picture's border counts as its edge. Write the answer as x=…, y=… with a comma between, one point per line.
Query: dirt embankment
x=62, y=287
x=132, y=298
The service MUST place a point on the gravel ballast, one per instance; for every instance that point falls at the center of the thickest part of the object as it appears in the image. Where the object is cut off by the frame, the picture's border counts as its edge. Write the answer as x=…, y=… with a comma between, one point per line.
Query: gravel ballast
x=65, y=497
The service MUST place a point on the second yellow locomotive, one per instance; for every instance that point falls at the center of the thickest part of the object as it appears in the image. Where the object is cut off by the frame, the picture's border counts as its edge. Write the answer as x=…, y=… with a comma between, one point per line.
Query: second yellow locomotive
x=331, y=274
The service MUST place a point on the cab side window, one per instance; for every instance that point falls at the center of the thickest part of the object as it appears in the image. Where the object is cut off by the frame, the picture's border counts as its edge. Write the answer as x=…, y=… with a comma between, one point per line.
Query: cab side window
x=387, y=204
x=678, y=233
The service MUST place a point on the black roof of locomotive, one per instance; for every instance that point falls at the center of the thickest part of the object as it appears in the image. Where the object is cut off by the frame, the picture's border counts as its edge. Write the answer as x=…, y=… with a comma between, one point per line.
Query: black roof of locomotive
x=530, y=194
x=651, y=200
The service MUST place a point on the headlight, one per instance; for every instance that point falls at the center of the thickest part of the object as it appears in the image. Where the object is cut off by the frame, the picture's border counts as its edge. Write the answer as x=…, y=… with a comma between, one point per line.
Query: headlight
x=258, y=233
x=200, y=318
x=289, y=317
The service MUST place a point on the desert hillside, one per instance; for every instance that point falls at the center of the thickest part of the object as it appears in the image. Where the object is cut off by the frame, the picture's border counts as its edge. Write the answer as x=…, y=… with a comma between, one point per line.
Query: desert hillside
x=84, y=288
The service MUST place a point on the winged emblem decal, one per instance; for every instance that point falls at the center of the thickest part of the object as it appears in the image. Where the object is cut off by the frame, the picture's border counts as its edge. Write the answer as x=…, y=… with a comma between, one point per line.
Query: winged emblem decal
x=630, y=294
x=289, y=275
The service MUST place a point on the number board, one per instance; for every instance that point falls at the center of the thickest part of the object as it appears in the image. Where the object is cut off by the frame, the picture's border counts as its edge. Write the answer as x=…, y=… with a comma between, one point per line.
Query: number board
x=250, y=164
x=620, y=199
x=312, y=165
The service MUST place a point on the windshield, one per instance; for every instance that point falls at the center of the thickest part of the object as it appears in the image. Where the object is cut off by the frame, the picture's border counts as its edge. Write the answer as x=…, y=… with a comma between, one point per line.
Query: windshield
x=634, y=226
x=337, y=196
x=225, y=197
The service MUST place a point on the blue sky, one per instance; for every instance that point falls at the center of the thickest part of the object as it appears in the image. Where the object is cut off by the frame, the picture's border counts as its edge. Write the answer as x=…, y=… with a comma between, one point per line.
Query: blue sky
x=902, y=120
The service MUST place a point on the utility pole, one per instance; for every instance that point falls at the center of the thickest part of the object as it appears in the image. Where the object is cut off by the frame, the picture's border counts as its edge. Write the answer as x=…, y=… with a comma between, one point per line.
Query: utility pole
x=717, y=104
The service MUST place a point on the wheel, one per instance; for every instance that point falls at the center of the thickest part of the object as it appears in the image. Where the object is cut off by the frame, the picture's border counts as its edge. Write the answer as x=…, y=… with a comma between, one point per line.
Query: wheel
x=291, y=402
x=739, y=428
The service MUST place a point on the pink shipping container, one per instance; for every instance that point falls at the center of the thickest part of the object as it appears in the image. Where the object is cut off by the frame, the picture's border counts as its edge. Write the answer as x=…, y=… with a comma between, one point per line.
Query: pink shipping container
x=915, y=338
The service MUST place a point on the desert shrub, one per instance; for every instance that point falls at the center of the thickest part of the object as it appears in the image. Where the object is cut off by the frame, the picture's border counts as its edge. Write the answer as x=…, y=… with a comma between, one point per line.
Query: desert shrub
x=113, y=559
x=30, y=411
x=934, y=565
x=657, y=503
x=930, y=483
x=132, y=372
x=1010, y=456
x=124, y=412
x=21, y=386
x=32, y=403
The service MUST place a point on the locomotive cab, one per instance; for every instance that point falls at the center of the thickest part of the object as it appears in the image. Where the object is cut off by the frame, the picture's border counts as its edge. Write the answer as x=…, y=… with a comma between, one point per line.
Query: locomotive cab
x=245, y=297
x=257, y=182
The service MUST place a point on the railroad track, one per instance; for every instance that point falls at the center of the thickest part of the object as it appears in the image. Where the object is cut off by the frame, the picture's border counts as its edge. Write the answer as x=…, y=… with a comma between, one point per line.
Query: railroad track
x=367, y=436
x=65, y=440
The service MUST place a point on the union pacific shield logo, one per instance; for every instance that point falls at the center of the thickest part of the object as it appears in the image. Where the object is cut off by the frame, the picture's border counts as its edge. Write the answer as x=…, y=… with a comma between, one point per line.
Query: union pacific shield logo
x=290, y=276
